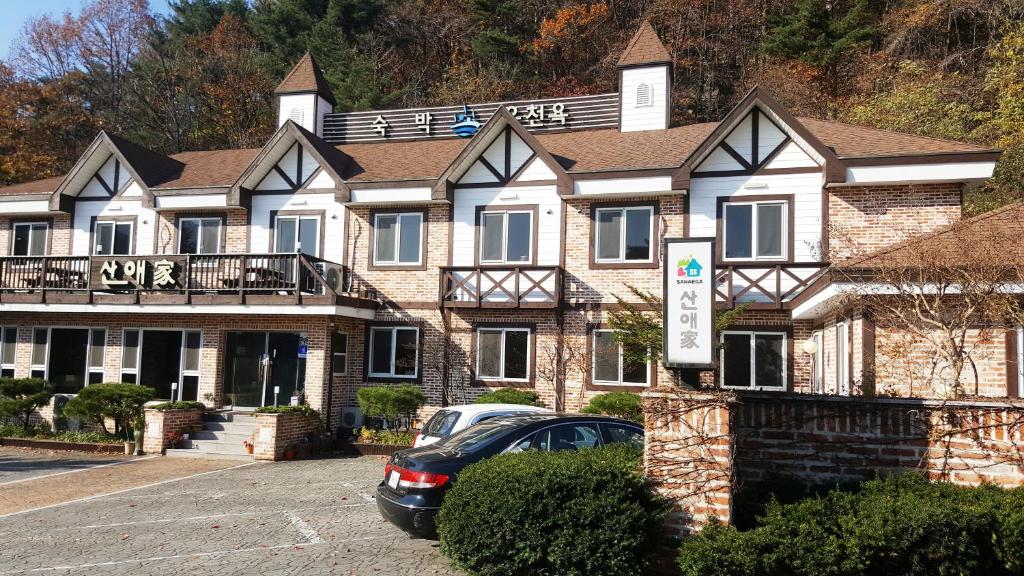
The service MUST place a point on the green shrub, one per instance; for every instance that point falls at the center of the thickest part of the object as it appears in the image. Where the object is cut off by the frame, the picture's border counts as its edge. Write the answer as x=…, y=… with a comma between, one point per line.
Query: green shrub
x=300, y=409
x=388, y=437
x=19, y=398
x=586, y=512
x=624, y=405
x=509, y=396
x=896, y=525
x=179, y=405
x=1009, y=541
x=390, y=402
x=123, y=403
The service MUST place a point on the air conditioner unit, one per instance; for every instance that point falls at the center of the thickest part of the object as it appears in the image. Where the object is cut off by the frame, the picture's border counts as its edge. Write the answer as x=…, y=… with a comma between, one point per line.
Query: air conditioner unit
x=351, y=417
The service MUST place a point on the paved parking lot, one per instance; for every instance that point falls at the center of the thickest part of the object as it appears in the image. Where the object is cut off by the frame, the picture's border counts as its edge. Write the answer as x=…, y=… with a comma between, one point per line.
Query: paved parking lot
x=303, y=517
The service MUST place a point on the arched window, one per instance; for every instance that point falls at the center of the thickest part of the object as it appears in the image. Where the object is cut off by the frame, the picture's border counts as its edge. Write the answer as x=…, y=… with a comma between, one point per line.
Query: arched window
x=643, y=95
x=296, y=115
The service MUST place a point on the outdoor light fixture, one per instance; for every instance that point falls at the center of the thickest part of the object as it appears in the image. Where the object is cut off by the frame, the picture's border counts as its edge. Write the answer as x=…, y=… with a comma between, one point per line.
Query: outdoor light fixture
x=810, y=347
x=756, y=186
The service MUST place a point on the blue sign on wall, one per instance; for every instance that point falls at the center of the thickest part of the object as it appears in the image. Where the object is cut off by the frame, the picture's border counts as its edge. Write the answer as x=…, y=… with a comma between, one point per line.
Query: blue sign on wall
x=466, y=124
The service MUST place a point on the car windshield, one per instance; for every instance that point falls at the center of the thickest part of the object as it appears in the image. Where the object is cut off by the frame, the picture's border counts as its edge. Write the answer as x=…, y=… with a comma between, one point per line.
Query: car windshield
x=441, y=423
x=475, y=437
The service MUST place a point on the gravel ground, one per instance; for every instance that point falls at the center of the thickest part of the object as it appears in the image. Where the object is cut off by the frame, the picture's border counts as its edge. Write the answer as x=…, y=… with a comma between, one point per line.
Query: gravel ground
x=302, y=517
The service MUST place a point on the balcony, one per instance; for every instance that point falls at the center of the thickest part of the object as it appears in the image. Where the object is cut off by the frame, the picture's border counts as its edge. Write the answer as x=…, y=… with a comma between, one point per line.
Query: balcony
x=501, y=287
x=175, y=279
x=764, y=286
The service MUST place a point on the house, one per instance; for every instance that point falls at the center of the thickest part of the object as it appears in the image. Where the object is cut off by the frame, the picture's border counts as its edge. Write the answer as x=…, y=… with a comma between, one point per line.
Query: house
x=457, y=248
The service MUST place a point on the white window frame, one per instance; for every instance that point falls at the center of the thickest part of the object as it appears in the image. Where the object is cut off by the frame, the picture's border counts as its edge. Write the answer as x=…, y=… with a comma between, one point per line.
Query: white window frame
x=182, y=372
x=298, y=222
x=752, y=334
x=199, y=239
x=644, y=100
x=115, y=224
x=88, y=367
x=394, y=350
x=843, y=367
x=622, y=235
x=398, y=239
x=818, y=361
x=756, y=204
x=335, y=353
x=45, y=366
x=504, y=239
x=501, y=360
x=46, y=239
x=622, y=364
x=12, y=364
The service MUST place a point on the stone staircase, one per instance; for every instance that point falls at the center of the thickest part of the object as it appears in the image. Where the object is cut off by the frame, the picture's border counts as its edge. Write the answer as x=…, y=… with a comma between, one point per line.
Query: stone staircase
x=222, y=437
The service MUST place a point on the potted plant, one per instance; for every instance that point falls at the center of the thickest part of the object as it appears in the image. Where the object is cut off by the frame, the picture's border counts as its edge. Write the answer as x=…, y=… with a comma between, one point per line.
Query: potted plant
x=176, y=441
x=289, y=453
x=249, y=446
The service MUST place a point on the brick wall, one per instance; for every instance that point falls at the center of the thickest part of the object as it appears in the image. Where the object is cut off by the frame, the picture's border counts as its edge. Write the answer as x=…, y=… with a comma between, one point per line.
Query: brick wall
x=691, y=438
x=161, y=427
x=864, y=219
x=235, y=238
x=60, y=232
x=275, y=433
x=584, y=284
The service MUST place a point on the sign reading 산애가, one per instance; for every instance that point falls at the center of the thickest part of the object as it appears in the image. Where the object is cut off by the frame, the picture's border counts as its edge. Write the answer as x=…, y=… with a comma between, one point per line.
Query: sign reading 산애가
x=689, y=302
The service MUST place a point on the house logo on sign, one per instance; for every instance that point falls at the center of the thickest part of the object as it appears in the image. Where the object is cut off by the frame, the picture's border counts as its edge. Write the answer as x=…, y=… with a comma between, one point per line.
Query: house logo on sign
x=465, y=124
x=688, y=268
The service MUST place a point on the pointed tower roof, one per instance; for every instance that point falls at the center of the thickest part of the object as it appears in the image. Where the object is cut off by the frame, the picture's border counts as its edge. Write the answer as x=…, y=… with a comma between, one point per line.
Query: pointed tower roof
x=645, y=48
x=306, y=77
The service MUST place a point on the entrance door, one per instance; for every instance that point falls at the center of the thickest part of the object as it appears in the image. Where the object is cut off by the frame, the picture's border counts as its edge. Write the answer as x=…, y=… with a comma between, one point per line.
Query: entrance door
x=68, y=349
x=161, y=361
x=257, y=362
x=242, y=374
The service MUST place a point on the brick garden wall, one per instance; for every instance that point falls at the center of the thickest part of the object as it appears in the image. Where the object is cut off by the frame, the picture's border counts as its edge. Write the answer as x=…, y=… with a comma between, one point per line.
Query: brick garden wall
x=161, y=427
x=701, y=448
x=275, y=433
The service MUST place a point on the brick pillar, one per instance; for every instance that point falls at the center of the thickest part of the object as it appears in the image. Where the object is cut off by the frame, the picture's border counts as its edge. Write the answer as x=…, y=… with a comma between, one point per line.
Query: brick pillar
x=688, y=449
x=161, y=426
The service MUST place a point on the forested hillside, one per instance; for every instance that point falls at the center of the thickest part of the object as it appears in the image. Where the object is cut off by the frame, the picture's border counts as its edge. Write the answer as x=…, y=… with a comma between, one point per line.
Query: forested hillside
x=203, y=76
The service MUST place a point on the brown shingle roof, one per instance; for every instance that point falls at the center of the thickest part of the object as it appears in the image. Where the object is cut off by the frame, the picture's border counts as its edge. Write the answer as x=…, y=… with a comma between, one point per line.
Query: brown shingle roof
x=993, y=238
x=44, y=186
x=212, y=168
x=306, y=76
x=645, y=48
x=576, y=151
x=851, y=140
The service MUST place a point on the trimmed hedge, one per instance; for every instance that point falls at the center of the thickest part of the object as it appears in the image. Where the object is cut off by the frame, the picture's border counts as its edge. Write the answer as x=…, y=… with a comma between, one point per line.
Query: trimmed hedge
x=895, y=525
x=300, y=409
x=179, y=405
x=390, y=402
x=586, y=512
x=510, y=396
x=625, y=405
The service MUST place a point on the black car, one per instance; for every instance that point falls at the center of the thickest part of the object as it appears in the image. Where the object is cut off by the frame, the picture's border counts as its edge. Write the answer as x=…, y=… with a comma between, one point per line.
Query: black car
x=415, y=480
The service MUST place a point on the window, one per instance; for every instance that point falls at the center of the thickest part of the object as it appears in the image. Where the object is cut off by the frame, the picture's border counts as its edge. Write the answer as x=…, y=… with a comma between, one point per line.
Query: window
x=295, y=115
x=297, y=234
x=567, y=437
x=8, y=347
x=174, y=358
x=818, y=363
x=130, y=357
x=843, y=358
x=643, y=95
x=503, y=354
x=339, y=353
x=199, y=235
x=610, y=365
x=397, y=239
x=506, y=237
x=112, y=238
x=97, y=343
x=755, y=360
x=40, y=350
x=620, y=434
x=394, y=352
x=191, y=348
x=29, y=239
x=624, y=234
x=754, y=230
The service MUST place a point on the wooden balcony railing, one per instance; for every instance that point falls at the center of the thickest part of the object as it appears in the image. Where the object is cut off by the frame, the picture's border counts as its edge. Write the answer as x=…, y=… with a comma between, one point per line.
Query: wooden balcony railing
x=172, y=278
x=501, y=287
x=764, y=286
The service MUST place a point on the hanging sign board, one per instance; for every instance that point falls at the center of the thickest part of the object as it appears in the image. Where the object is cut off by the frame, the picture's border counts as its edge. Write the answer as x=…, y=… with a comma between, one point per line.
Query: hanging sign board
x=689, y=303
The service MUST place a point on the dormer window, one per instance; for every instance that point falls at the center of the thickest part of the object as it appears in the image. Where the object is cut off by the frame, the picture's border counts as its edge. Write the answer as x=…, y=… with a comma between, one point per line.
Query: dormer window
x=643, y=95
x=112, y=238
x=755, y=230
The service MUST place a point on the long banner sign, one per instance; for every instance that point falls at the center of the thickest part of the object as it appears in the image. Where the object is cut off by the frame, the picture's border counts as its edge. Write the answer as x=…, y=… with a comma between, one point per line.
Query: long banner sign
x=689, y=303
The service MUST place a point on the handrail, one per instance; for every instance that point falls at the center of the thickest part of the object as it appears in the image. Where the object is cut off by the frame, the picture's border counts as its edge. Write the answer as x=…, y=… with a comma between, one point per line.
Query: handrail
x=768, y=284
x=500, y=286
